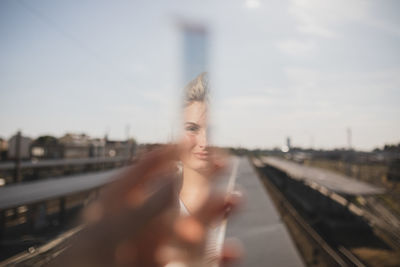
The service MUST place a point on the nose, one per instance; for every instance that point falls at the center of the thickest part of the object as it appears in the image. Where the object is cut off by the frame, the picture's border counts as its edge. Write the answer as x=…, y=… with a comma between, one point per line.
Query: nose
x=202, y=139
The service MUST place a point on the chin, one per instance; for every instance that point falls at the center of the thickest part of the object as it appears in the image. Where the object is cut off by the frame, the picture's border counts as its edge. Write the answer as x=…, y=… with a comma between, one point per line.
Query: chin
x=198, y=164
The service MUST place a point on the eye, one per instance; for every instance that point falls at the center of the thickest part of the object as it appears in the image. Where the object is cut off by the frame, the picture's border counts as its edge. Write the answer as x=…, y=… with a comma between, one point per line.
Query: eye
x=192, y=128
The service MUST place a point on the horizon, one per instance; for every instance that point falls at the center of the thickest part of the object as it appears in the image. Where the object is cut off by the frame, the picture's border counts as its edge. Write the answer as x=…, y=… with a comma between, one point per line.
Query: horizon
x=233, y=147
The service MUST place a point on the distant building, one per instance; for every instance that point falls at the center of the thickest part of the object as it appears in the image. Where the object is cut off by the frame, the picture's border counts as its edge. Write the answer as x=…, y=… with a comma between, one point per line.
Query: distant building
x=3, y=149
x=75, y=145
x=97, y=148
x=288, y=143
x=82, y=146
x=24, y=150
x=288, y=146
x=46, y=147
x=70, y=145
x=120, y=148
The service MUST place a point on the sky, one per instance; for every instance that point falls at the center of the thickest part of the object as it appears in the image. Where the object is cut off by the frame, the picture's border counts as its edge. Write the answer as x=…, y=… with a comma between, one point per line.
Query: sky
x=308, y=70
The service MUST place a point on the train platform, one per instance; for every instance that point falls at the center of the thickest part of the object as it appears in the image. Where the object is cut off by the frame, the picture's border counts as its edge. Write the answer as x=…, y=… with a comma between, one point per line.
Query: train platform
x=258, y=225
x=330, y=180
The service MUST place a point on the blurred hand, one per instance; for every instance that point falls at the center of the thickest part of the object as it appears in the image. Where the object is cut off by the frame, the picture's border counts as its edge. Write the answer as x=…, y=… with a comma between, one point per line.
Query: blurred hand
x=136, y=220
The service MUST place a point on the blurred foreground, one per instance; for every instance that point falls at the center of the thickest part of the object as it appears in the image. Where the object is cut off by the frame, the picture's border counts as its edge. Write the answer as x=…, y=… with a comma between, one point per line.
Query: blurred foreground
x=329, y=222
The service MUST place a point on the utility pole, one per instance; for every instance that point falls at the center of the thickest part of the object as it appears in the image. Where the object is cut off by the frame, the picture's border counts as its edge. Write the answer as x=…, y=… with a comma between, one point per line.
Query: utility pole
x=17, y=170
x=311, y=142
x=128, y=144
x=349, y=146
x=350, y=156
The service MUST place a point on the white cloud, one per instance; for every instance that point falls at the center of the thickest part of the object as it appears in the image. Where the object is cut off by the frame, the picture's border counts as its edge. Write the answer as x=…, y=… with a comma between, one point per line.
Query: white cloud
x=252, y=3
x=384, y=26
x=319, y=18
x=297, y=48
x=248, y=101
x=157, y=97
x=357, y=87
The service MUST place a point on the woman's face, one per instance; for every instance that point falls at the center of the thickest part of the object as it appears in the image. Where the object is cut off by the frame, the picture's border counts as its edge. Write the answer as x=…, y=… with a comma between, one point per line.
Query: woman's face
x=196, y=154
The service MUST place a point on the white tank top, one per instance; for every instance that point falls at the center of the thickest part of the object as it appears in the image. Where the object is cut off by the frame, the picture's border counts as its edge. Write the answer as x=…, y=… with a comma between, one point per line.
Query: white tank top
x=211, y=250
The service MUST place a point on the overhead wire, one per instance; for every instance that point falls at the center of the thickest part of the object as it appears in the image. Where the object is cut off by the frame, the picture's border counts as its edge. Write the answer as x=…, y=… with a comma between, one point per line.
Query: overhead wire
x=56, y=27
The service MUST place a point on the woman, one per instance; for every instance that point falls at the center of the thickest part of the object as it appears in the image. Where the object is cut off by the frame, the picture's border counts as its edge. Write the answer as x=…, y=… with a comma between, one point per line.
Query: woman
x=196, y=154
x=196, y=159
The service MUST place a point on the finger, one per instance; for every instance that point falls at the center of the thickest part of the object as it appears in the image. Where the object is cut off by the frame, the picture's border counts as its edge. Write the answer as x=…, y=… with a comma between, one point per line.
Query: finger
x=236, y=200
x=218, y=160
x=232, y=252
x=149, y=167
x=130, y=221
x=216, y=207
x=148, y=164
x=104, y=242
x=191, y=230
x=219, y=156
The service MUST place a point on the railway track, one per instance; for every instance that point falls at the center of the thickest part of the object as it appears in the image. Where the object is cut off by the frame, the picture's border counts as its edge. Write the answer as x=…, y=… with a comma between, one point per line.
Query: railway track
x=314, y=249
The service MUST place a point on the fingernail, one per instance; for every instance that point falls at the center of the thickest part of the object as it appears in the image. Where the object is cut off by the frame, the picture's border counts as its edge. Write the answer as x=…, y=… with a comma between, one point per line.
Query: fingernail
x=237, y=194
x=228, y=210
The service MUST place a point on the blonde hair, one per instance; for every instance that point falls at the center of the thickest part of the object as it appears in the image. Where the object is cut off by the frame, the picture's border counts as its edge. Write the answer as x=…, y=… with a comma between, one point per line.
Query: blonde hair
x=197, y=90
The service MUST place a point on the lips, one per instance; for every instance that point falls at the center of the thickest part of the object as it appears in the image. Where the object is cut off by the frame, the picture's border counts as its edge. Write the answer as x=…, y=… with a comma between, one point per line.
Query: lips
x=202, y=155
